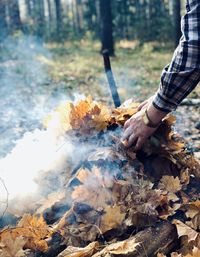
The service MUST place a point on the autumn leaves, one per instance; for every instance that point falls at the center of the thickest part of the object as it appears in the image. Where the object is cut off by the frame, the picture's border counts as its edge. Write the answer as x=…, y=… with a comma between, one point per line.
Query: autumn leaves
x=115, y=190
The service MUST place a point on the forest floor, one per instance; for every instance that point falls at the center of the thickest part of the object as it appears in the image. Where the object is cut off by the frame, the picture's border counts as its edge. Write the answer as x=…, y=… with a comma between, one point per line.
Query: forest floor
x=35, y=78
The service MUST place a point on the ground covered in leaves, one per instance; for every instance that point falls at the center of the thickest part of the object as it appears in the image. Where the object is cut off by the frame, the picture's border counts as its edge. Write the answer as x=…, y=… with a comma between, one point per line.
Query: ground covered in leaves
x=113, y=194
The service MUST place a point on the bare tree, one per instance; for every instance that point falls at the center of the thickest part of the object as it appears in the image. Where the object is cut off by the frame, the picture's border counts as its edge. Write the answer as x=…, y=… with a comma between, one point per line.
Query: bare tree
x=28, y=8
x=58, y=19
x=14, y=15
x=106, y=27
x=3, y=23
x=49, y=11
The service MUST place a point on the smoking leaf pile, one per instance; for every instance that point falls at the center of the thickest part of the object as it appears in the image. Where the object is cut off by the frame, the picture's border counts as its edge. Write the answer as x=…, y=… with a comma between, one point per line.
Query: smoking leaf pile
x=115, y=201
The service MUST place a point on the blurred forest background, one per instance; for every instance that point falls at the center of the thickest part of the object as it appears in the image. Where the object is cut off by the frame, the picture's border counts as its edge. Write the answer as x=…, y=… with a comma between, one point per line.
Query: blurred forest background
x=106, y=20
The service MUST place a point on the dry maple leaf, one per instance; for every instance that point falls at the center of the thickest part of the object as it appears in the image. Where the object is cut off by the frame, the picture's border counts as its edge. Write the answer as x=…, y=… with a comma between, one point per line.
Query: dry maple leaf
x=112, y=218
x=121, y=115
x=88, y=251
x=170, y=184
x=93, y=194
x=101, y=120
x=33, y=229
x=37, y=231
x=12, y=247
x=123, y=248
x=192, y=211
x=184, y=230
x=195, y=253
x=87, y=115
x=95, y=188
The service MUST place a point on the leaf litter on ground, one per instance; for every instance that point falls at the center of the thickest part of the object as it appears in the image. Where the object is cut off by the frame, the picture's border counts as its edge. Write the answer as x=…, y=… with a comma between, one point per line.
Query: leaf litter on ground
x=116, y=190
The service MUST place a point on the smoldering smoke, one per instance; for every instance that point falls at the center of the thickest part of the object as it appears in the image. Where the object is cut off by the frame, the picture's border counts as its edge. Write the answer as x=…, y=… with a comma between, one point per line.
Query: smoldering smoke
x=29, y=154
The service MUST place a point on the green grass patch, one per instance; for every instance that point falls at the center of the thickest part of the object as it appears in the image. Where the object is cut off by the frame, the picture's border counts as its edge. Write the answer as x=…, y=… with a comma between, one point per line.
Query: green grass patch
x=136, y=68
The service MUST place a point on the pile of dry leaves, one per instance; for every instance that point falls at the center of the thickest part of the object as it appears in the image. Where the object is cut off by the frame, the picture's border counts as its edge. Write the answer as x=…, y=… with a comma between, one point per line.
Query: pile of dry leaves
x=115, y=202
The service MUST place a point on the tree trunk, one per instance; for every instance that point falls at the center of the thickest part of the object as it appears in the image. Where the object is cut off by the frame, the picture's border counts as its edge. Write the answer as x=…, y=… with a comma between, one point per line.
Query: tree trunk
x=58, y=19
x=125, y=18
x=28, y=8
x=40, y=18
x=106, y=27
x=78, y=18
x=3, y=23
x=97, y=25
x=49, y=11
x=14, y=15
x=177, y=21
x=73, y=16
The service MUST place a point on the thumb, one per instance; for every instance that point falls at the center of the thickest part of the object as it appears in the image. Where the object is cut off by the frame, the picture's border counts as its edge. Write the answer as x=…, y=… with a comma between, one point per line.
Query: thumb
x=142, y=105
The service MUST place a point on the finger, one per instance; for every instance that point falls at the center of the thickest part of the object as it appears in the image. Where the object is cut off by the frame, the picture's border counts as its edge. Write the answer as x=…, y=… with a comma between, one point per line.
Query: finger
x=132, y=140
x=127, y=124
x=139, y=144
x=142, y=105
x=127, y=133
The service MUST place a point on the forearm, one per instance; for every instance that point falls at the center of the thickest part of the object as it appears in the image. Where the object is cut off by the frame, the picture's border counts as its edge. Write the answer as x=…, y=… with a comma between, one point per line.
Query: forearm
x=183, y=74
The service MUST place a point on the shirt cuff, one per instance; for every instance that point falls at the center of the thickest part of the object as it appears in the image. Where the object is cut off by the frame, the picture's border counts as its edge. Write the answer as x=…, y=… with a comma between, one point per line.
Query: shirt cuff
x=163, y=103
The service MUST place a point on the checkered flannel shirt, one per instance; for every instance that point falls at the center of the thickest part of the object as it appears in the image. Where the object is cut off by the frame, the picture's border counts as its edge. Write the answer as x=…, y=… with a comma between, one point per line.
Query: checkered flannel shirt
x=182, y=75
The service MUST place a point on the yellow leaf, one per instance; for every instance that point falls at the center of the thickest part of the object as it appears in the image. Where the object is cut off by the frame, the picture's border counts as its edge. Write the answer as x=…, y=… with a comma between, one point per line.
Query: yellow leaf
x=36, y=231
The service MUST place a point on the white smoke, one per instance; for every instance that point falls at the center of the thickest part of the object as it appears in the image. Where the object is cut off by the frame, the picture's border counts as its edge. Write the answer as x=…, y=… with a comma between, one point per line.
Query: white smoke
x=27, y=94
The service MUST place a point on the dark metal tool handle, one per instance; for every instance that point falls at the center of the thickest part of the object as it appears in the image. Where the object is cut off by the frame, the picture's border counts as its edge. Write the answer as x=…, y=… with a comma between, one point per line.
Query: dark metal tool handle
x=110, y=78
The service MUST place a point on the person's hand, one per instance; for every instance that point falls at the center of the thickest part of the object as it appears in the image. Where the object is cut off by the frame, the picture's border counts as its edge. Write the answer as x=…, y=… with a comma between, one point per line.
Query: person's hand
x=145, y=103
x=136, y=132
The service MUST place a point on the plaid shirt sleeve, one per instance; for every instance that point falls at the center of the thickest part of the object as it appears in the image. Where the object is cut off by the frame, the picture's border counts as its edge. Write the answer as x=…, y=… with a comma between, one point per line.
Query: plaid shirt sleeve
x=182, y=75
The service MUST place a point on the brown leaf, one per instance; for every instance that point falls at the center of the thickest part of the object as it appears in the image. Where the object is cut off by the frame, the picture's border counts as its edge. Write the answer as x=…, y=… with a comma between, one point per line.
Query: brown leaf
x=170, y=184
x=126, y=247
x=184, y=230
x=11, y=246
x=93, y=194
x=33, y=229
x=161, y=255
x=112, y=218
x=192, y=211
x=195, y=253
x=88, y=251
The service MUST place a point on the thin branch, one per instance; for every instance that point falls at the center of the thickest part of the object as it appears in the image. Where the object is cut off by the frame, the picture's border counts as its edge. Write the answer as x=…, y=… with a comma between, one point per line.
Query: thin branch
x=7, y=196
